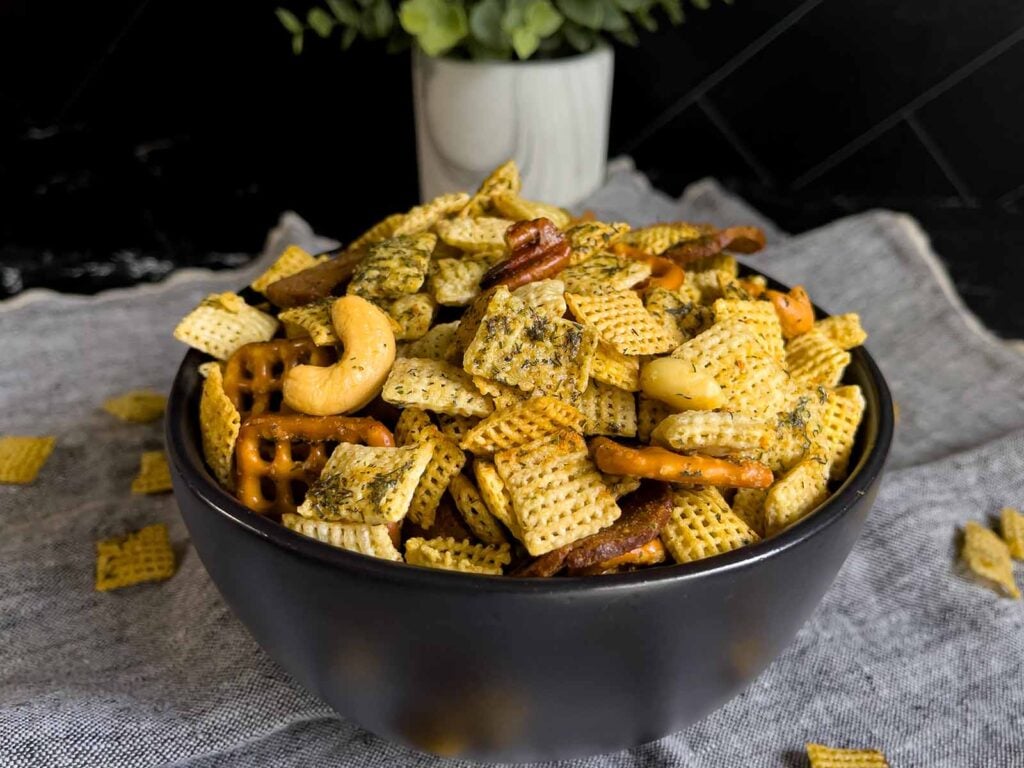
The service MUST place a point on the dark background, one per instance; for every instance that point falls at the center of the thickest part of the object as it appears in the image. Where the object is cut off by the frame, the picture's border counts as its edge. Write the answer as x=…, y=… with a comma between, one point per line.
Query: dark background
x=139, y=136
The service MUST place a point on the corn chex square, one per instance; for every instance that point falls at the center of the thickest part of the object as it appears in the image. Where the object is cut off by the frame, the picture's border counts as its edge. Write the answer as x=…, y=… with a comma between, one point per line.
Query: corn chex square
x=608, y=411
x=434, y=385
x=713, y=433
x=366, y=484
x=702, y=525
x=987, y=557
x=140, y=406
x=504, y=395
x=154, y=474
x=515, y=345
x=434, y=344
x=589, y=238
x=393, y=267
x=748, y=505
x=649, y=414
x=547, y=297
x=420, y=218
x=1011, y=524
x=446, y=461
x=495, y=494
x=798, y=427
x=621, y=320
x=411, y=315
x=22, y=456
x=515, y=208
x=456, y=282
x=503, y=180
x=372, y=540
x=834, y=757
x=612, y=367
x=672, y=311
x=314, y=319
x=475, y=235
x=840, y=419
x=412, y=425
x=452, y=555
x=455, y=428
x=620, y=485
x=604, y=272
x=844, y=331
x=795, y=494
x=222, y=323
x=382, y=230
x=474, y=511
x=814, y=359
x=140, y=556
x=557, y=493
x=292, y=260
x=219, y=423
x=658, y=238
x=522, y=423
x=762, y=318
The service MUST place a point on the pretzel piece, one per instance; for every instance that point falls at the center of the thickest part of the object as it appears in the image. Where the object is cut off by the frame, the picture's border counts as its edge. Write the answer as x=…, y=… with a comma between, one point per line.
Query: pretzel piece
x=254, y=374
x=659, y=464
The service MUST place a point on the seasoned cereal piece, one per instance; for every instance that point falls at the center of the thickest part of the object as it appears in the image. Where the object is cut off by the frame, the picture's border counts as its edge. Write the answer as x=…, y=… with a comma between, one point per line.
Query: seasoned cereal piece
x=608, y=411
x=456, y=282
x=21, y=457
x=292, y=260
x=1011, y=523
x=504, y=395
x=411, y=425
x=589, y=238
x=495, y=494
x=713, y=433
x=844, y=331
x=814, y=359
x=649, y=414
x=833, y=757
x=604, y=272
x=762, y=318
x=365, y=484
x=557, y=493
x=139, y=406
x=219, y=423
x=154, y=474
x=503, y=180
x=434, y=344
x=420, y=218
x=314, y=319
x=455, y=428
x=474, y=511
x=393, y=267
x=621, y=320
x=222, y=323
x=748, y=505
x=988, y=558
x=451, y=555
x=547, y=297
x=515, y=345
x=840, y=419
x=372, y=540
x=522, y=423
x=702, y=525
x=620, y=485
x=435, y=386
x=799, y=427
x=673, y=311
x=612, y=367
x=475, y=235
x=135, y=558
x=795, y=494
x=658, y=238
x=412, y=315
x=382, y=230
x=414, y=427
x=515, y=208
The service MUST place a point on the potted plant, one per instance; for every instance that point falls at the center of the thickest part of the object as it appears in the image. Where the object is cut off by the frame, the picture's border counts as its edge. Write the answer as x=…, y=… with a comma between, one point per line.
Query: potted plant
x=497, y=79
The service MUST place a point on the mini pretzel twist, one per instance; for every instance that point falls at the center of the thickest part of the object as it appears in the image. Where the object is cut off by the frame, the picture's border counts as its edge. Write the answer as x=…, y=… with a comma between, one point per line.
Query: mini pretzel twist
x=538, y=250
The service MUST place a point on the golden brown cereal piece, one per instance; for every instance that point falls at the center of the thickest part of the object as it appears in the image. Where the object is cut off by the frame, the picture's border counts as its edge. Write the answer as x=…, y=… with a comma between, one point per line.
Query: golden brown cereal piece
x=367, y=484
x=547, y=297
x=455, y=428
x=452, y=555
x=833, y=757
x=504, y=395
x=393, y=267
x=314, y=319
x=456, y=282
x=382, y=230
x=762, y=318
x=794, y=310
x=495, y=494
x=713, y=433
x=412, y=314
x=474, y=511
x=844, y=330
x=433, y=345
x=659, y=464
x=411, y=425
x=139, y=406
x=475, y=235
x=279, y=456
x=420, y=218
x=222, y=323
x=372, y=540
x=752, y=381
x=141, y=556
x=513, y=207
x=21, y=457
x=621, y=320
x=798, y=427
x=838, y=429
x=721, y=263
x=620, y=485
x=608, y=411
x=673, y=310
x=219, y=422
x=795, y=494
x=988, y=557
x=291, y=261
x=649, y=414
x=814, y=359
x=254, y=374
x=605, y=272
x=154, y=474
x=748, y=505
x=515, y=345
x=522, y=423
x=702, y=525
x=557, y=493
x=446, y=461
x=436, y=386
x=503, y=180
x=589, y=238
x=1011, y=523
x=612, y=367
x=657, y=238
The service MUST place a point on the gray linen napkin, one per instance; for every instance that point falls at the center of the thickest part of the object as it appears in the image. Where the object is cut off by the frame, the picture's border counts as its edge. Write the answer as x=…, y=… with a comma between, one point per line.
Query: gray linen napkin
x=903, y=654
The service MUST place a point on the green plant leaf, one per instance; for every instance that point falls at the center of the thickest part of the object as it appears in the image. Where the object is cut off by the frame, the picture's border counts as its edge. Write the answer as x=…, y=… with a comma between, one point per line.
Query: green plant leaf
x=437, y=25
x=344, y=12
x=627, y=37
x=542, y=18
x=580, y=38
x=701, y=5
x=674, y=10
x=525, y=42
x=348, y=37
x=632, y=6
x=485, y=24
x=297, y=43
x=646, y=20
x=289, y=20
x=320, y=22
x=586, y=13
x=382, y=18
x=614, y=19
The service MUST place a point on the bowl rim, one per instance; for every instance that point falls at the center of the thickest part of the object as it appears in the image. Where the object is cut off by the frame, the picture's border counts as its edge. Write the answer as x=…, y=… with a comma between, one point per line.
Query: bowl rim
x=183, y=448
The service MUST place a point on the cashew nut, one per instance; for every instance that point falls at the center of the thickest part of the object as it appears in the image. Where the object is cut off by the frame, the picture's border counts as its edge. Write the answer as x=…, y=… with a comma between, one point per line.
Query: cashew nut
x=368, y=354
x=679, y=384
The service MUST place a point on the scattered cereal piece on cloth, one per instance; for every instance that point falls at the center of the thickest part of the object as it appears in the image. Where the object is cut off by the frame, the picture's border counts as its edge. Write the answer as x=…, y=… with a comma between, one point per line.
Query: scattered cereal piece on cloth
x=135, y=558
x=22, y=456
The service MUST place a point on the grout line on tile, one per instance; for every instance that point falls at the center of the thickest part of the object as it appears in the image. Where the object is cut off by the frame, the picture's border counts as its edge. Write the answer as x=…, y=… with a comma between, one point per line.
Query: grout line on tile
x=720, y=74
x=719, y=122
x=913, y=105
x=941, y=160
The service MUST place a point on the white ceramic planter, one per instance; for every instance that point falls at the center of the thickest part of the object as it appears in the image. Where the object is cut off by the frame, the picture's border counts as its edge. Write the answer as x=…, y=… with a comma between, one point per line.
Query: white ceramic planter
x=550, y=116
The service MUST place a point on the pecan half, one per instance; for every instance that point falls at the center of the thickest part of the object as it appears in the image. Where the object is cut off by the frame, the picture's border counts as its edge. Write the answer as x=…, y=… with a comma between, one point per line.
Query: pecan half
x=314, y=283
x=538, y=250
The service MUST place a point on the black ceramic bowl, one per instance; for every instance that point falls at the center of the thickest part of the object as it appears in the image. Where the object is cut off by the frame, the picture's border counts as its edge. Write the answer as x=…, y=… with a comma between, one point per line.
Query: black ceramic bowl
x=497, y=668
